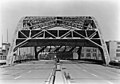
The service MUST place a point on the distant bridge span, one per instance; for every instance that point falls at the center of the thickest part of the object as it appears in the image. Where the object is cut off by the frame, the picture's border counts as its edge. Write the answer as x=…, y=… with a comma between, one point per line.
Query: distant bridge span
x=73, y=31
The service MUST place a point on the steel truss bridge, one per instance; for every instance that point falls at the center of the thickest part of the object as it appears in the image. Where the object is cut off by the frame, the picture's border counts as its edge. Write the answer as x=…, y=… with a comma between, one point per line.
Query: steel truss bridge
x=72, y=33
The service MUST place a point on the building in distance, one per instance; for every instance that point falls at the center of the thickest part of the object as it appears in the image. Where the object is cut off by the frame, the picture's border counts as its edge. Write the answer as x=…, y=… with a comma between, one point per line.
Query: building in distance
x=114, y=50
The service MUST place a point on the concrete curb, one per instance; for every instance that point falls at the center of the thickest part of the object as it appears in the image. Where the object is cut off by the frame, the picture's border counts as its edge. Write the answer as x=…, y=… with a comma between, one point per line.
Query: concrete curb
x=4, y=66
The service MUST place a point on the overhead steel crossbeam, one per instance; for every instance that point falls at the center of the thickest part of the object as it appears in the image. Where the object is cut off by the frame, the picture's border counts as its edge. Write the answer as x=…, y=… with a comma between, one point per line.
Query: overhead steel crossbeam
x=90, y=35
x=62, y=48
x=53, y=48
x=77, y=31
x=34, y=23
x=42, y=49
x=75, y=49
x=50, y=49
x=58, y=34
x=68, y=48
x=57, y=49
x=72, y=49
x=47, y=49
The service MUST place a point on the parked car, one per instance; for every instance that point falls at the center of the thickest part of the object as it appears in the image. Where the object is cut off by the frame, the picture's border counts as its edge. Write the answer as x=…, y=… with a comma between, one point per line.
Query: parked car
x=115, y=62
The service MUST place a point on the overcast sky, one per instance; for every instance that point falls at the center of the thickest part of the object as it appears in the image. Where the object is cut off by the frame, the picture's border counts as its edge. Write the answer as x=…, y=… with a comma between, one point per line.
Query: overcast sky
x=105, y=12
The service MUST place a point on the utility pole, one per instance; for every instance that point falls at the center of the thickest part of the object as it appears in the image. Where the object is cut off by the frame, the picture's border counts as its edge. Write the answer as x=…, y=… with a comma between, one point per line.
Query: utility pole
x=2, y=38
x=7, y=35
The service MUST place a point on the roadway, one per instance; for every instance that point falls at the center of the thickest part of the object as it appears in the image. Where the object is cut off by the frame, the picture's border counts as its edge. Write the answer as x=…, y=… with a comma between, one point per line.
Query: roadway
x=38, y=72
x=87, y=73
x=33, y=72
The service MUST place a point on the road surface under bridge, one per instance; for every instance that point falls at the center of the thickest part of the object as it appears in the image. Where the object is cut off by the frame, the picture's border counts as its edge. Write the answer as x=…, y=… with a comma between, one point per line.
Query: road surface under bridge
x=75, y=72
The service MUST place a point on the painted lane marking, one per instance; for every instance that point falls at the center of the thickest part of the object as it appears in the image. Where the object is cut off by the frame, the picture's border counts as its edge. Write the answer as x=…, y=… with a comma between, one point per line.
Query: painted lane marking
x=17, y=77
x=94, y=75
x=3, y=72
x=90, y=73
x=110, y=82
x=117, y=72
x=28, y=71
x=85, y=70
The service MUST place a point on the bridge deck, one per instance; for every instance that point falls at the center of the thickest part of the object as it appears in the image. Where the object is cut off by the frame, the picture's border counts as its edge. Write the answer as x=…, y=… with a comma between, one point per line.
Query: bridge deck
x=86, y=73
x=29, y=72
x=80, y=72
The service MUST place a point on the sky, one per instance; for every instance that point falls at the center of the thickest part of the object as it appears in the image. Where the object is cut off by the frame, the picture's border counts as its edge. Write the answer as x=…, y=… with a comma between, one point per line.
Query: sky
x=106, y=13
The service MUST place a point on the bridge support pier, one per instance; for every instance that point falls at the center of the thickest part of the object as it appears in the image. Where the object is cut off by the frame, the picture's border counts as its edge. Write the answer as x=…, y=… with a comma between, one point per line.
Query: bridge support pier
x=36, y=53
x=79, y=53
x=102, y=53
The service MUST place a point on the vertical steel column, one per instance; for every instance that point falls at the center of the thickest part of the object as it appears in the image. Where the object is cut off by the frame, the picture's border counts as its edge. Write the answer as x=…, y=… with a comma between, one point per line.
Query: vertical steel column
x=102, y=53
x=79, y=52
x=36, y=53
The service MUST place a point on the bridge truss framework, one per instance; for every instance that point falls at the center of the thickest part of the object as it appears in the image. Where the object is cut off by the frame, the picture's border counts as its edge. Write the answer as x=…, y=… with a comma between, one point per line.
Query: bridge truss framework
x=73, y=32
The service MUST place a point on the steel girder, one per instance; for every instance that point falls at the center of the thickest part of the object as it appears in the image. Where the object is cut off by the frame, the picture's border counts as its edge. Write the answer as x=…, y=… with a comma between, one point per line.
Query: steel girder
x=39, y=31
